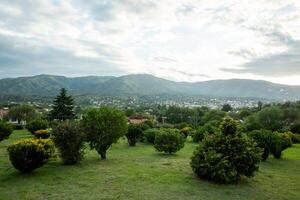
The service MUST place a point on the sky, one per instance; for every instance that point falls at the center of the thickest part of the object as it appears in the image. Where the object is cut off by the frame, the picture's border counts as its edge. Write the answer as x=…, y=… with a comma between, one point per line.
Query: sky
x=181, y=40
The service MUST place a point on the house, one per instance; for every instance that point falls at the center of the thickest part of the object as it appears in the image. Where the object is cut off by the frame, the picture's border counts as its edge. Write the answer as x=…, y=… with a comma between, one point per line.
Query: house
x=137, y=119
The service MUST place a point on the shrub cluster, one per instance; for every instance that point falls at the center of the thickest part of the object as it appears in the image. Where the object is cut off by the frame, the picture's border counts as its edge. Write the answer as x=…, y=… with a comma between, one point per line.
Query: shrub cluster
x=169, y=141
x=5, y=130
x=133, y=134
x=29, y=154
x=42, y=134
x=37, y=124
x=150, y=135
x=227, y=156
x=69, y=138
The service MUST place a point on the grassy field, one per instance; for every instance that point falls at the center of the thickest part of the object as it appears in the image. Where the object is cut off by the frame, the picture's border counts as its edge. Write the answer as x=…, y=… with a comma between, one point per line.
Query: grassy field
x=142, y=173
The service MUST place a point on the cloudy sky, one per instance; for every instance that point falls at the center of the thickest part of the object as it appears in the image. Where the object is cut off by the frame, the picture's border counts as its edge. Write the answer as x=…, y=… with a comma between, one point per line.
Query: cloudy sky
x=182, y=40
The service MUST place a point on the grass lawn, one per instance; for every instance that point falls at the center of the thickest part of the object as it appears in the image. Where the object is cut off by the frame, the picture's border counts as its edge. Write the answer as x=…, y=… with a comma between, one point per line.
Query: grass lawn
x=142, y=173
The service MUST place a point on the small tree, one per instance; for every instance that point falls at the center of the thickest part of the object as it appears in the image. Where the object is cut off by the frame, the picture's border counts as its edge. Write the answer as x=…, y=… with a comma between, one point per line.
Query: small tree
x=37, y=124
x=104, y=126
x=169, y=141
x=69, y=138
x=134, y=133
x=227, y=156
x=5, y=130
x=63, y=107
x=22, y=112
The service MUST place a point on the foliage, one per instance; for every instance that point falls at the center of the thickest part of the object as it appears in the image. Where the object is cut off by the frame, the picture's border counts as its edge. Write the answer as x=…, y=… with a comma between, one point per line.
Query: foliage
x=226, y=107
x=294, y=137
x=150, y=135
x=199, y=134
x=186, y=131
x=295, y=128
x=5, y=130
x=36, y=124
x=29, y=154
x=168, y=141
x=63, y=107
x=133, y=134
x=104, y=126
x=286, y=142
x=227, y=156
x=42, y=134
x=17, y=126
x=23, y=112
x=69, y=138
x=213, y=116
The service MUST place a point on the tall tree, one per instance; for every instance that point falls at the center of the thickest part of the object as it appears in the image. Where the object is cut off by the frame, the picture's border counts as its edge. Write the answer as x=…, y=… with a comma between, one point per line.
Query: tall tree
x=63, y=107
x=23, y=112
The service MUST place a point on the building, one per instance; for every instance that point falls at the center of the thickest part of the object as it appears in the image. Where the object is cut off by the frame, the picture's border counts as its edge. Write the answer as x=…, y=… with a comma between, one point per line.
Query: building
x=137, y=119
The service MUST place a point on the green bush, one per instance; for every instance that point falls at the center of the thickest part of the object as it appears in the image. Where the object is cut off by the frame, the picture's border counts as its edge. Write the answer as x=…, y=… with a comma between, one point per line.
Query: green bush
x=133, y=134
x=186, y=131
x=150, y=135
x=286, y=142
x=37, y=124
x=295, y=137
x=266, y=140
x=227, y=156
x=198, y=135
x=42, y=134
x=69, y=138
x=29, y=154
x=169, y=141
x=5, y=130
x=17, y=127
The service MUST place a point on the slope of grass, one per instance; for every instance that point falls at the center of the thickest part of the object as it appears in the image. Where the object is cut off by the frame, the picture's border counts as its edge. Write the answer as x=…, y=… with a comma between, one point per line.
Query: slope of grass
x=142, y=173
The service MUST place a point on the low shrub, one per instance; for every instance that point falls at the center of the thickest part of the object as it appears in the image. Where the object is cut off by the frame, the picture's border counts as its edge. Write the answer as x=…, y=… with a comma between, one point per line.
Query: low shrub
x=295, y=137
x=186, y=131
x=150, y=135
x=37, y=124
x=17, y=126
x=227, y=156
x=29, y=154
x=42, y=134
x=286, y=142
x=199, y=134
x=169, y=141
x=133, y=134
x=69, y=138
x=5, y=130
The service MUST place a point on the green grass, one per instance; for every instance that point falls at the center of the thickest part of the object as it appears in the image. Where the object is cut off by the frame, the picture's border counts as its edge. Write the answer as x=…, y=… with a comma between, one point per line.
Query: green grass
x=142, y=173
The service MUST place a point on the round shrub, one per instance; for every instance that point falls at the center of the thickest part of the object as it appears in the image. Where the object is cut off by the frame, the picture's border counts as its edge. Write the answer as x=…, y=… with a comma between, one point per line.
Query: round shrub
x=266, y=140
x=69, y=138
x=29, y=154
x=227, y=156
x=186, y=131
x=133, y=134
x=169, y=141
x=198, y=135
x=42, y=134
x=295, y=137
x=5, y=130
x=17, y=126
x=150, y=135
x=285, y=141
x=37, y=124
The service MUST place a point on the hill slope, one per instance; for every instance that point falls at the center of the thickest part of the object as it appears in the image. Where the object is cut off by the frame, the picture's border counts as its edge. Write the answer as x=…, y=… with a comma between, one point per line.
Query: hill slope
x=142, y=84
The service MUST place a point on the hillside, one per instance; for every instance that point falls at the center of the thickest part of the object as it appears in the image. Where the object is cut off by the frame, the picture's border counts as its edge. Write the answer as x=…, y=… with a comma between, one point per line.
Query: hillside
x=142, y=84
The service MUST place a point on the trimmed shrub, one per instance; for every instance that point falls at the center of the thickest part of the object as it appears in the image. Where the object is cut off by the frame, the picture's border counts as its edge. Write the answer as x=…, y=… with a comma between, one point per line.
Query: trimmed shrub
x=150, y=135
x=133, y=134
x=186, y=131
x=29, y=154
x=295, y=137
x=5, y=130
x=266, y=140
x=227, y=156
x=42, y=134
x=199, y=134
x=169, y=141
x=286, y=142
x=37, y=124
x=69, y=138
x=17, y=126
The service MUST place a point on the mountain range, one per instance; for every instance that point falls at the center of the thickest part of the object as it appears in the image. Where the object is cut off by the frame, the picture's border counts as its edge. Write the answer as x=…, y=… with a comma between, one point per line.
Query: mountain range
x=144, y=84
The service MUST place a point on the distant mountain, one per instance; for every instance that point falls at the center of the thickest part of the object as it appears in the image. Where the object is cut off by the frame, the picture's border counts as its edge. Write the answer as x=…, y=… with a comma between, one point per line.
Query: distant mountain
x=143, y=84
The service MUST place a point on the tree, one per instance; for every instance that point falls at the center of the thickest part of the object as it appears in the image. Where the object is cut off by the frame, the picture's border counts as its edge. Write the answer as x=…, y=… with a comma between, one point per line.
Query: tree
x=134, y=133
x=63, y=107
x=22, y=112
x=5, y=130
x=226, y=107
x=104, y=126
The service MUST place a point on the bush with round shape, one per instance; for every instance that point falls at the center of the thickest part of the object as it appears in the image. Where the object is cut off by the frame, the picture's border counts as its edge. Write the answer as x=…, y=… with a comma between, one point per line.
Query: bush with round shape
x=37, y=124
x=5, y=130
x=285, y=141
x=133, y=134
x=169, y=141
x=42, y=134
x=199, y=134
x=104, y=126
x=295, y=137
x=69, y=138
x=29, y=154
x=186, y=131
x=267, y=140
x=150, y=135
x=227, y=156
x=17, y=126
